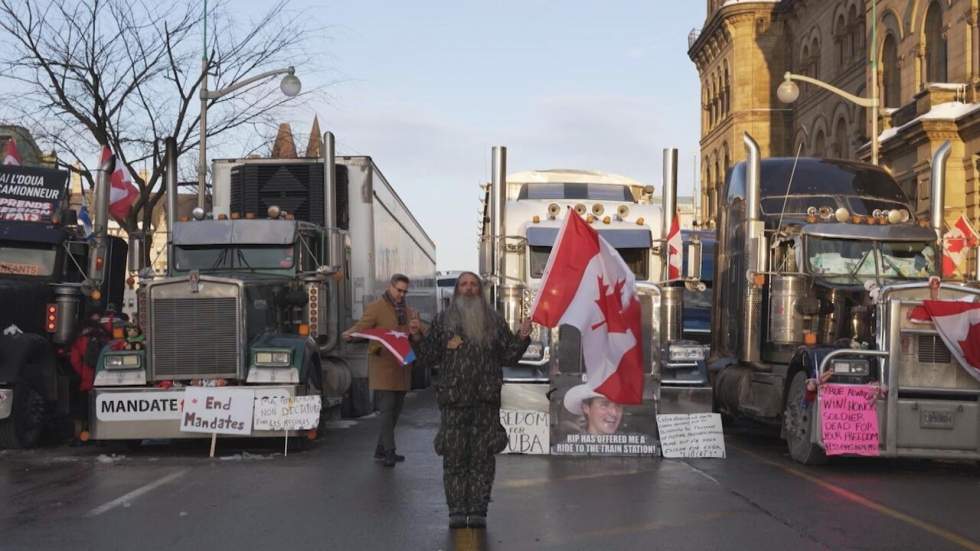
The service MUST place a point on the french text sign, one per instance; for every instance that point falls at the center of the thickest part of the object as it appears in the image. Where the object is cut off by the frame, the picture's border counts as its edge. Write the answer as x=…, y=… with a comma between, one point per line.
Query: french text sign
x=849, y=419
x=217, y=410
x=691, y=435
x=276, y=411
x=528, y=431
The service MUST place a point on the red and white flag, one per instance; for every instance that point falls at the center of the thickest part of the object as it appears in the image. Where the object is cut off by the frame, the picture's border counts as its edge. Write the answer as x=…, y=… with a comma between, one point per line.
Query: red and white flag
x=395, y=341
x=675, y=249
x=10, y=154
x=956, y=242
x=958, y=324
x=122, y=192
x=587, y=285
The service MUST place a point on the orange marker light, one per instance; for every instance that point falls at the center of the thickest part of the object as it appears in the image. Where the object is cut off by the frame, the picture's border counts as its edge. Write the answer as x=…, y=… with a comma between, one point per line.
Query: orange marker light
x=303, y=330
x=809, y=338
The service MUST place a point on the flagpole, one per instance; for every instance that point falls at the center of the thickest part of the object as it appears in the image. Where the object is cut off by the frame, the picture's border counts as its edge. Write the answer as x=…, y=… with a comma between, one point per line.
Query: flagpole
x=202, y=168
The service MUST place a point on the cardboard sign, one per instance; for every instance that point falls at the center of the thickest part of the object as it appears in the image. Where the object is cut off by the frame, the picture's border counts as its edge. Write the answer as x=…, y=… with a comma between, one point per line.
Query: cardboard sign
x=849, y=419
x=691, y=435
x=30, y=194
x=217, y=410
x=276, y=410
x=138, y=406
x=528, y=431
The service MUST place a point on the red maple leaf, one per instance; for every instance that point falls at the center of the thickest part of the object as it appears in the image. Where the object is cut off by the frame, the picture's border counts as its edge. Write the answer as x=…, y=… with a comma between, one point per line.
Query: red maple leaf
x=611, y=306
x=955, y=244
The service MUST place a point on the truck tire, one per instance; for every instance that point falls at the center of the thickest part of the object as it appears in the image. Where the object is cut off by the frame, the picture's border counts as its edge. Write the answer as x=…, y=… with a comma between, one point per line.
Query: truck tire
x=797, y=421
x=26, y=422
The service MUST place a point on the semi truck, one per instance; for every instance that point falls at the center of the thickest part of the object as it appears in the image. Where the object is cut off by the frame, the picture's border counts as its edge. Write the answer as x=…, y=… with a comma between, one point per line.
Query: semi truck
x=819, y=264
x=521, y=216
x=258, y=291
x=52, y=279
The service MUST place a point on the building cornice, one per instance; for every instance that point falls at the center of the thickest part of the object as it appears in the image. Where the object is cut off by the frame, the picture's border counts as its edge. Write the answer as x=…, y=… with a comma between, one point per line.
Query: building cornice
x=728, y=15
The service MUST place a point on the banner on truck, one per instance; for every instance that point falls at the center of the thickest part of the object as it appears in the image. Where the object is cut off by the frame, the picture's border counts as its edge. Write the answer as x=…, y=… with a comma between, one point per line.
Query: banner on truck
x=30, y=194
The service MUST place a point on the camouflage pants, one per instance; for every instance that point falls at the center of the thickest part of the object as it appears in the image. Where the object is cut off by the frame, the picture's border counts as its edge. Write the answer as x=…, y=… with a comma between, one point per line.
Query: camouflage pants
x=467, y=440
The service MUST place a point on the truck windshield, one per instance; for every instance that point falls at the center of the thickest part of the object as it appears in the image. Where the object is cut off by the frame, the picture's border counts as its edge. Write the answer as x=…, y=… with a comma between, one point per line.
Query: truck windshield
x=858, y=260
x=240, y=257
x=35, y=259
x=635, y=258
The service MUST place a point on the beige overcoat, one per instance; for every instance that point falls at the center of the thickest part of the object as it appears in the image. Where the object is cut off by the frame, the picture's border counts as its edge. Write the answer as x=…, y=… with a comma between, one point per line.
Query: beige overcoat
x=385, y=372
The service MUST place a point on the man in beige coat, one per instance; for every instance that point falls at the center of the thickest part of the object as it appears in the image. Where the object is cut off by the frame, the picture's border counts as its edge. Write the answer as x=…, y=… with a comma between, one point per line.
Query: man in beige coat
x=386, y=375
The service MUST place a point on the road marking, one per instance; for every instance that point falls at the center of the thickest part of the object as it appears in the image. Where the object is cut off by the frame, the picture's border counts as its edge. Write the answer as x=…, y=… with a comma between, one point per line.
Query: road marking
x=951, y=537
x=135, y=494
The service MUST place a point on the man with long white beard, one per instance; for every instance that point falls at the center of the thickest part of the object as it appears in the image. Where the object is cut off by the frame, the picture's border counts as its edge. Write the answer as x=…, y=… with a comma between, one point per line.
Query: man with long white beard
x=470, y=343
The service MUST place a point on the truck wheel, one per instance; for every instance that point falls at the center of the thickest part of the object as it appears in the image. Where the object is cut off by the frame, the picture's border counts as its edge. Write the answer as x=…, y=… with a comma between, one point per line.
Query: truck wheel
x=797, y=421
x=24, y=426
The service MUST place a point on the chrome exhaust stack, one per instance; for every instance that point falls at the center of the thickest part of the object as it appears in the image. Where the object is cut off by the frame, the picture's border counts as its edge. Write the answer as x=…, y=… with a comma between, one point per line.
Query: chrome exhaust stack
x=671, y=299
x=937, y=196
x=755, y=253
x=100, y=229
x=335, y=239
x=498, y=200
x=170, y=179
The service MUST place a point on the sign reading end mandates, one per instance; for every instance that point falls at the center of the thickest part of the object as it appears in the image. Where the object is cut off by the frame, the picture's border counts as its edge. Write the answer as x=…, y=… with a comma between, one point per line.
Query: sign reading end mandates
x=216, y=410
x=30, y=194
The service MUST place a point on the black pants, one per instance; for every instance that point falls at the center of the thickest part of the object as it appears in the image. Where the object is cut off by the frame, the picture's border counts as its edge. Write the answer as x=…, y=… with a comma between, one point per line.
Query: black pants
x=468, y=462
x=389, y=403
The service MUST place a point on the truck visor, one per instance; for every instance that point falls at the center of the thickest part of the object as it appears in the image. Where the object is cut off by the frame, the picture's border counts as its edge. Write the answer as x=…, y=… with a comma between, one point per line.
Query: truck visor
x=619, y=239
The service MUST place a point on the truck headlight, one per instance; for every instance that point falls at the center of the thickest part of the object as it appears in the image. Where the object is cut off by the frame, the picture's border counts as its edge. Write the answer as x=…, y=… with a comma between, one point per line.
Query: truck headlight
x=122, y=361
x=686, y=352
x=851, y=367
x=281, y=358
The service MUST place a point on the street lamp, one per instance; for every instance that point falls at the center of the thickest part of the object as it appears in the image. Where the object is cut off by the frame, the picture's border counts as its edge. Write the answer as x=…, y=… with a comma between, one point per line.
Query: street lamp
x=290, y=87
x=788, y=92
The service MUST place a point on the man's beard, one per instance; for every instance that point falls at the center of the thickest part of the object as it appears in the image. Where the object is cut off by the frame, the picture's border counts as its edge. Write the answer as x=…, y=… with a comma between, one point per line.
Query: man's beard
x=471, y=318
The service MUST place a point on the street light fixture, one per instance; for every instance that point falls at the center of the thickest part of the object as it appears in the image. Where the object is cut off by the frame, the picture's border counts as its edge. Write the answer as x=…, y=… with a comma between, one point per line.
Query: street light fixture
x=290, y=87
x=788, y=92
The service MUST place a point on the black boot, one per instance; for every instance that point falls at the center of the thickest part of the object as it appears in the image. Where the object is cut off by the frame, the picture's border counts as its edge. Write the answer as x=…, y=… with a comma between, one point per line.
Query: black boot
x=390, y=458
x=477, y=520
x=379, y=452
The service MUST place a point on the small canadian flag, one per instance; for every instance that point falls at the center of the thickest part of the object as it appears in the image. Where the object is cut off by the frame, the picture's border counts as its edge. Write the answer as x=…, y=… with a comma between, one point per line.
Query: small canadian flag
x=955, y=244
x=10, y=154
x=675, y=250
x=122, y=192
x=587, y=284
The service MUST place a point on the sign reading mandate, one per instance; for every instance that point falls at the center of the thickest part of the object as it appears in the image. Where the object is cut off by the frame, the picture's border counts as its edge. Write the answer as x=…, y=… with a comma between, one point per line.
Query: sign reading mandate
x=217, y=410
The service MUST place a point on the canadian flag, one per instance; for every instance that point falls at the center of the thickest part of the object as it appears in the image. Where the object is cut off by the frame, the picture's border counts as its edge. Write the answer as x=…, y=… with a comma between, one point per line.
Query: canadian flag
x=122, y=192
x=675, y=250
x=395, y=341
x=955, y=243
x=958, y=324
x=10, y=154
x=587, y=285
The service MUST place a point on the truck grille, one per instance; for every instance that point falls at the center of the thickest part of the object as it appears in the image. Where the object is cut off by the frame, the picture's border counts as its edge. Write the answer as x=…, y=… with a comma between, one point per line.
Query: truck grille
x=933, y=350
x=195, y=337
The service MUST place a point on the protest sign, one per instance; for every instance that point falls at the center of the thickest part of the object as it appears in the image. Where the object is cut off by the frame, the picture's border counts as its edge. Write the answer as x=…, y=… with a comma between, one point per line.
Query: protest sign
x=849, y=419
x=691, y=435
x=527, y=430
x=30, y=194
x=217, y=410
x=276, y=410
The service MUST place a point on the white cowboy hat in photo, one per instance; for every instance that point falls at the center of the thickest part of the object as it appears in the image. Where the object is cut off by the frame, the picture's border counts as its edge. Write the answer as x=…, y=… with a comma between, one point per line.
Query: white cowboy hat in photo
x=578, y=394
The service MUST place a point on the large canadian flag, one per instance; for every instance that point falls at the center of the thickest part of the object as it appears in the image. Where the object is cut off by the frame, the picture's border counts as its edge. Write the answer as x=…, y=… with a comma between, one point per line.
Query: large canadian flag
x=10, y=154
x=958, y=324
x=675, y=249
x=587, y=285
x=955, y=244
x=122, y=192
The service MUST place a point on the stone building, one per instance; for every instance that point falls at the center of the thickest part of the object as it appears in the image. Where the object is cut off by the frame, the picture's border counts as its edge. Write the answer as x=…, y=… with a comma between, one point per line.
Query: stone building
x=927, y=79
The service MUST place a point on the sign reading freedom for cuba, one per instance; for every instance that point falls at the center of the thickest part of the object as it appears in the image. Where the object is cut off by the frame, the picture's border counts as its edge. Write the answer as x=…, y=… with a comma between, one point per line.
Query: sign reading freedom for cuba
x=30, y=194
x=217, y=410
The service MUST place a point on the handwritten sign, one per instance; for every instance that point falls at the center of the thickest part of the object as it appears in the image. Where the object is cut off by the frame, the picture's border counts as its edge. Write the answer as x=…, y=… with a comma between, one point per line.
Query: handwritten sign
x=691, y=435
x=276, y=410
x=528, y=430
x=849, y=419
x=216, y=410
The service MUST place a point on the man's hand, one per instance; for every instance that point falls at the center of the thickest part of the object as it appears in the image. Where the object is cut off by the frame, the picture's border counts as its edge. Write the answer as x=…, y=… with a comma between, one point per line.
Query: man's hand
x=525, y=330
x=346, y=336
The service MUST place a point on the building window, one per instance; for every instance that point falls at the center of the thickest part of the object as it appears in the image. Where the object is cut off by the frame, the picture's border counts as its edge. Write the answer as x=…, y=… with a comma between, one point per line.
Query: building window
x=840, y=36
x=820, y=145
x=935, y=45
x=841, y=149
x=890, y=75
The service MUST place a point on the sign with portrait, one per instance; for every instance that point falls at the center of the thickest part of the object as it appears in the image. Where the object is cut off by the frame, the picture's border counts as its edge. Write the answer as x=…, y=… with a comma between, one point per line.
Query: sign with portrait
x=30, y=194
x=585, y=422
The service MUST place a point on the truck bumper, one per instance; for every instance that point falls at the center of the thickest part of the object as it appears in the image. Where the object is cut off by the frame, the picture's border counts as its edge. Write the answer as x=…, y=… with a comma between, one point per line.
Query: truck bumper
x=6, y=402
x=685, y=399
x=139, y=413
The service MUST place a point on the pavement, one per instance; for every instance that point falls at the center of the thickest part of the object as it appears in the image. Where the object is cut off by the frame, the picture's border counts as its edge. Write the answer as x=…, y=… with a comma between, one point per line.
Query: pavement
x=170, y=495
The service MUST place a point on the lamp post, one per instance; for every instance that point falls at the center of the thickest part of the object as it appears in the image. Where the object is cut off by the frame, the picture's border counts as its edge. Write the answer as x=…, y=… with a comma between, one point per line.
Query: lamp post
x=788, y=92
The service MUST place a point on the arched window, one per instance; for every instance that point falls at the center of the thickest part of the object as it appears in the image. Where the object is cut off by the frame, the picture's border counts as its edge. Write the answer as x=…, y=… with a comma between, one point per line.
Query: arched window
x=840, y=37
x=841, y=148
x=856, y=25
x=935, y=45
x=805, y=61
x=815, y=52
x=820, y=145
x=891, y=79
x=728, y=92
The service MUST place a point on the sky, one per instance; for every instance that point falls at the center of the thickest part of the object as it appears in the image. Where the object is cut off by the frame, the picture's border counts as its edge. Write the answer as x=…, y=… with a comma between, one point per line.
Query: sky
x=426, y=89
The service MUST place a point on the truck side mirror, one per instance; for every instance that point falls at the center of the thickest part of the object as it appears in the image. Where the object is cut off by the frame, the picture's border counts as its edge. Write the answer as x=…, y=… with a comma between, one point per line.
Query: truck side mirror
x=693, y=259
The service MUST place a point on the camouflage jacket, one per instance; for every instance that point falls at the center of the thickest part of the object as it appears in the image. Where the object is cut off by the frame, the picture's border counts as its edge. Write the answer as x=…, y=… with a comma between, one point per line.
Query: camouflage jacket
x=469, y=374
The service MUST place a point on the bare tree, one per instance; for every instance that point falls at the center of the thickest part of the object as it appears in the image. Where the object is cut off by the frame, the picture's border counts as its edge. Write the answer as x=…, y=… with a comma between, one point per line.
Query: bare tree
x=127, y=73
